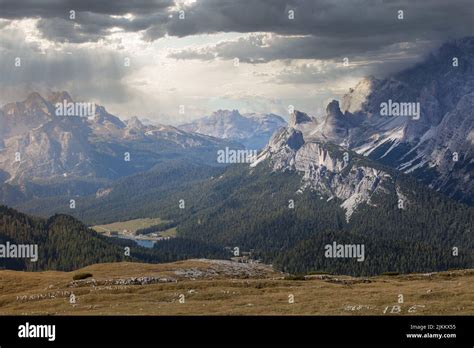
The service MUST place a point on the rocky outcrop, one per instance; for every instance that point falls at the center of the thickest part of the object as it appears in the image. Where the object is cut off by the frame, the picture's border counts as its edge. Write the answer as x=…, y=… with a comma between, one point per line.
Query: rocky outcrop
x=325, y=169
x=298, y=117
x=282, y=148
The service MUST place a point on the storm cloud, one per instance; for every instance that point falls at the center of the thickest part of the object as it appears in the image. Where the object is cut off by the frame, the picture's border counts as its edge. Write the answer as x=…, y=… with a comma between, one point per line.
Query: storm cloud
x=322, y=29
x=182, y=50
x=360, y=24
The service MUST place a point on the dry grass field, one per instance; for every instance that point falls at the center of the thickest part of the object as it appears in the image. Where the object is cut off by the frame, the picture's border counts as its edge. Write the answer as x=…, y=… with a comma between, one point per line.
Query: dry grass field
x=205, y=287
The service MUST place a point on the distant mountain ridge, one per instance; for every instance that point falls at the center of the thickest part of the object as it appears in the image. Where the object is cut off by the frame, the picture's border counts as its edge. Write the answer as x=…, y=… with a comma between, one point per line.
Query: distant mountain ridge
x=252, y=130
x=40, y=147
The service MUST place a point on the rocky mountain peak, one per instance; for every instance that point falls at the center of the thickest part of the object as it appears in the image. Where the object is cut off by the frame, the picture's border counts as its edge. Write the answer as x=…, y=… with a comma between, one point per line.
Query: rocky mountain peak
x=335, y=126
x=102, y=117
x=353, y=100
x=326, y=169
x=33, y=98
x=34, y=103
x=289, y=137
x=226, y=114
x=22, y=116
x=60, y=97
x=252, y=130
x=134, y=122
x=333, y=110
x=433, y=93
x=298, y=117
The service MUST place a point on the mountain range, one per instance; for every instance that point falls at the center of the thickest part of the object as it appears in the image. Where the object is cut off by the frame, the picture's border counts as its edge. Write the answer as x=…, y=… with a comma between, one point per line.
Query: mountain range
x=252, y=130
x=45, y=154
x=435, y=146
x=389, y=167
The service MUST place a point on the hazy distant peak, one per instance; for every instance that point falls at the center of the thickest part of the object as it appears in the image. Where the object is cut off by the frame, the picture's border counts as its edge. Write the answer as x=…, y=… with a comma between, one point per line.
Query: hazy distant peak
x=226, y=114
x=134, y=122
x=60, y=97
x=34, y=99
x=252, y=130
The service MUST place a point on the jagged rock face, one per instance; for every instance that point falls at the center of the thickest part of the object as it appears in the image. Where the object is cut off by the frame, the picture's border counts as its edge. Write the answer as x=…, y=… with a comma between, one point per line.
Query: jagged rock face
x=332, y=177
x=20, y=117
x=282, y=148
x=448, y=149
x=298, y=117
x=301, y=121
x=252, y=130
x=54, y=149
x=324, y=170
x=59, y=97
x=266, y=123
x=39, y=144
x=134, y=122
x=335, y=126
x=313, y=155
x=105, y=123
x=52, y=146
x=424, y=146
x=353, y=101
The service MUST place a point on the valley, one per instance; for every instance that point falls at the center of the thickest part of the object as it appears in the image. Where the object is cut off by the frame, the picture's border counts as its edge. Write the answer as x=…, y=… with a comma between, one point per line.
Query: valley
x=127, y=227
x=145, y=232
x=400, y=188
x=272, y=172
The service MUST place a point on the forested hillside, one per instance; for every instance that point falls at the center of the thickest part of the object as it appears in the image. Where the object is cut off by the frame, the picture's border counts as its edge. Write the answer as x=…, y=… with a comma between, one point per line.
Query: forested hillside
x=65, y=244
x=249, y=208
x=255, y=214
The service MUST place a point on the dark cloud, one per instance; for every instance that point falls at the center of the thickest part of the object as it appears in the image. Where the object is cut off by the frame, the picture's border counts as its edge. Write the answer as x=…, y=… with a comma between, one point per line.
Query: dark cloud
x=328, y=18
x=362, y=30
x=321, y=29
x=367, y=22
x=201, y=54
x=93, y=18
x=331, y=71
x=14, y=9
x=63, y=30
x=262, y=48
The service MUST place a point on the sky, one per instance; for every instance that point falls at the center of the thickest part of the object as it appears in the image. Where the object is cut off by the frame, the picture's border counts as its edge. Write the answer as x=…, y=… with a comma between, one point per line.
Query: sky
x=157, y=58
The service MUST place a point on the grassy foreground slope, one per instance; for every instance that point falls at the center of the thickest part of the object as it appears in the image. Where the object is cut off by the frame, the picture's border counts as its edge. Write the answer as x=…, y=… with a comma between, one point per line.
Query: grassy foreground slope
x=215, y=287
